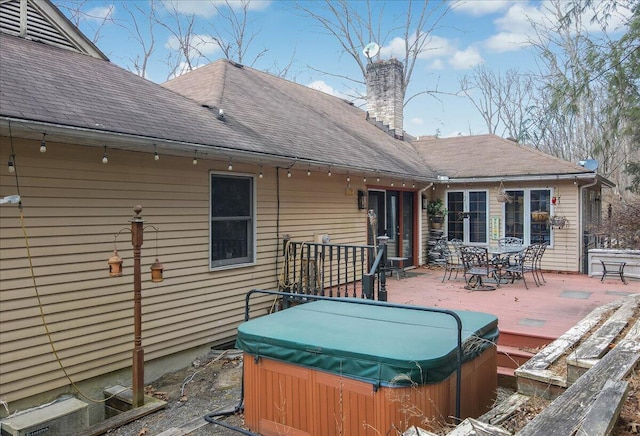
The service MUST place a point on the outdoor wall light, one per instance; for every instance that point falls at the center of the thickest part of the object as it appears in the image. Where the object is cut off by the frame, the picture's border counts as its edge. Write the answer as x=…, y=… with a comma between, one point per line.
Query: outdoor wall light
x=362, y=199
x=425, y=201
x=11, y=165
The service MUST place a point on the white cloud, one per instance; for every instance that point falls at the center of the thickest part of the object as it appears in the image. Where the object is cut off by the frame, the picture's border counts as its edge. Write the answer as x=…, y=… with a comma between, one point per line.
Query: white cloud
x=204, y=45
x=416, y=121
x=434, y=47
x=437, y=64
x=481, y=7
x=101, y=13
x=323, y=86
x=464, y=59
x=506, y=41
x=518, y=19
x=207, y=9
x=437, y=46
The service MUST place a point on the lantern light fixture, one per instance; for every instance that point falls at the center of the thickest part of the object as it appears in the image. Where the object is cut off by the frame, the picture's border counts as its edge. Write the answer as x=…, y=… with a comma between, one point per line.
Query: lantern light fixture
x=115, y=264
x=362, y=199
x=43, y=144
x=105, y=158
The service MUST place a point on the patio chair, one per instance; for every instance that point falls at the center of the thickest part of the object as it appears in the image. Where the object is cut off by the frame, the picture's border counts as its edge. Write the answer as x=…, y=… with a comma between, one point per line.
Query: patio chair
x=537, y=265
x=524, y=262
x=453, y=261
x=477, y=267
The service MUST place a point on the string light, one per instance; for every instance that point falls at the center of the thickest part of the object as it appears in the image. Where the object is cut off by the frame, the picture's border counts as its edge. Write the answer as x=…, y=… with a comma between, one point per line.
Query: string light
x=230, y=167
x=403, y=184
x=12, y=167
x=348, y=177
x=289, y=173
x=156, y=156
x=309, y=171
x=329, y=172
x=377, y=178
x=364, y=179
x=413, y=185
x=392, y=184
x=260, y=175
x=105, y=158
x=43, y=144
x=195, y=157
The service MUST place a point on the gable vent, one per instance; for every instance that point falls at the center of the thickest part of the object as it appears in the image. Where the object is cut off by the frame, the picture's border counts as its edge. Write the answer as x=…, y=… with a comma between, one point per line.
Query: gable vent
x=38, y=28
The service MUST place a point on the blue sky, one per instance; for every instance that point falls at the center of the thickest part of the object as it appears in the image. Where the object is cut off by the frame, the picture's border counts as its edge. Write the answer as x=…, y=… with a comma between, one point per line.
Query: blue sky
x=473, y=32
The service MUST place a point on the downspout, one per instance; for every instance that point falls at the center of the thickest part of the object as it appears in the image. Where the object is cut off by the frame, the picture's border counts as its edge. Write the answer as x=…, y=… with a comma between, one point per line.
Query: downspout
x=581, y=223
x=420, y=241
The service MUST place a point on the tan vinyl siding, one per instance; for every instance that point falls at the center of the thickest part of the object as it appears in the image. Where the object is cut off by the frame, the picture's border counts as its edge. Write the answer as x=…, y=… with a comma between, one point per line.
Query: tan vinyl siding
x=74, y=205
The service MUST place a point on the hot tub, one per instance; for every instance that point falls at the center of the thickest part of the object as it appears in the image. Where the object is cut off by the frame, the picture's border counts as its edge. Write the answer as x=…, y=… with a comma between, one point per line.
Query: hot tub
x=333, y=367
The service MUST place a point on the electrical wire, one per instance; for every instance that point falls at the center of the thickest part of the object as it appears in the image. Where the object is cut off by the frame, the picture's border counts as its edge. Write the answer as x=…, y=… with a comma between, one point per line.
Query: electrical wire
x=37, y=293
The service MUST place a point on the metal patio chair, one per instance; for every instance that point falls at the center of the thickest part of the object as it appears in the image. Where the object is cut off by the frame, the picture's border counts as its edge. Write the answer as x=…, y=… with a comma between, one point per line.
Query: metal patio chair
x=477, y=268
x=524, y=262
x=453, y=258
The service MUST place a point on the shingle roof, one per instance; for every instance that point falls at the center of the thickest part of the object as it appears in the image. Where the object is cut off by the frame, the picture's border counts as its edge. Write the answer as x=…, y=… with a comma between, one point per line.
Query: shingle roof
x=489, y=156
x=296, y=120
x=42, y=83
x=264, y=115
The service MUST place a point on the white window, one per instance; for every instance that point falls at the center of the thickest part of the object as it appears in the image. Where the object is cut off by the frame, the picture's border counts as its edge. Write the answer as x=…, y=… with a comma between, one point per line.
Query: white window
x=232, y=230
x=518, y=219
x=467, y=217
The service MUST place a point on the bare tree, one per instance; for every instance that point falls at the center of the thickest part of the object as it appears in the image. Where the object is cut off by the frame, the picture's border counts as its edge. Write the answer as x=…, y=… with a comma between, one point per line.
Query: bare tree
x=353, y=30
x=143, y=33
x=95, y=18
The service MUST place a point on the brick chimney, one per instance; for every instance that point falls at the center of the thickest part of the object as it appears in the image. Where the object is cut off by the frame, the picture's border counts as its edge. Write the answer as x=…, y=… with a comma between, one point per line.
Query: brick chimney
x=385, y=98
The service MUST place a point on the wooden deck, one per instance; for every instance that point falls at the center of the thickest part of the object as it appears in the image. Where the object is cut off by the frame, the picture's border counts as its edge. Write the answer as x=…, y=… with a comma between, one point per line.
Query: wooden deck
x=546, y=311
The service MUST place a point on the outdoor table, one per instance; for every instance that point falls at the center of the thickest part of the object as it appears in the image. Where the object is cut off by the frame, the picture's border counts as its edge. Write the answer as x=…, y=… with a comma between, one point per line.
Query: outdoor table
x=396, y=264
x=501, y=257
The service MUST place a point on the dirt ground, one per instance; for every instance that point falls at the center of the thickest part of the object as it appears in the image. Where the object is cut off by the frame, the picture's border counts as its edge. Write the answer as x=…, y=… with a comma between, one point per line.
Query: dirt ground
x=214, y=382
x=209, y=384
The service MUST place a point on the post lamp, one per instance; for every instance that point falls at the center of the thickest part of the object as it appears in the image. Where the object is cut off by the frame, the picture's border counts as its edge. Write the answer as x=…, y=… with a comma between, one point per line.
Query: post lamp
x=115, y=270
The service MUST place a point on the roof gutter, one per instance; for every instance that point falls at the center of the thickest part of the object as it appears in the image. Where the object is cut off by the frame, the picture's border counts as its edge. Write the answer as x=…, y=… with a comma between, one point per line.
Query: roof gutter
x=531, y=177
x=30, y=129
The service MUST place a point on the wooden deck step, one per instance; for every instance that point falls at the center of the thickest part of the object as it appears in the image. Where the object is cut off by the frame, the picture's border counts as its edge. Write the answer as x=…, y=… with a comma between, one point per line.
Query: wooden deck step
x=595, y=396
x=537, y=377
x=512, y=357
x=524, y=339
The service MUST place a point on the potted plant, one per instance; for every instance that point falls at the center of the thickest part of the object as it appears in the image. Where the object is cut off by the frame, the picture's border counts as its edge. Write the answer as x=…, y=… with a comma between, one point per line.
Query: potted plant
x=436, y=211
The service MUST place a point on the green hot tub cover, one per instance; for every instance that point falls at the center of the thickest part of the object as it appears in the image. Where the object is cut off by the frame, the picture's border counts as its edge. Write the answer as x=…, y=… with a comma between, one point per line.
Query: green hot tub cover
x=385, y=346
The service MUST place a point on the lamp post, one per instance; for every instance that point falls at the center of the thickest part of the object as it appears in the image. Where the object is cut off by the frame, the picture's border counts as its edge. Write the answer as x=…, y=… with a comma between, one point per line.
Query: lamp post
x=138, y=352
x=115, y=270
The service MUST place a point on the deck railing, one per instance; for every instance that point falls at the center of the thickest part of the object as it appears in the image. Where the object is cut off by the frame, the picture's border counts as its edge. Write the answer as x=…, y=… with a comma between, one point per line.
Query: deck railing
x=332, y=270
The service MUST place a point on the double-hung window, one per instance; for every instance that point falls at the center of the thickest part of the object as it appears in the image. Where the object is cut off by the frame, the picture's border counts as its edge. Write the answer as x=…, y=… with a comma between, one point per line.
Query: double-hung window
x=467, y=218
x=518, y=220
x=232, y=230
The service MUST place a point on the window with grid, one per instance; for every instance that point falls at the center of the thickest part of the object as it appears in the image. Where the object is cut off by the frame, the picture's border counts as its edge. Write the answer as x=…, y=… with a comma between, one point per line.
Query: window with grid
x=232, y=220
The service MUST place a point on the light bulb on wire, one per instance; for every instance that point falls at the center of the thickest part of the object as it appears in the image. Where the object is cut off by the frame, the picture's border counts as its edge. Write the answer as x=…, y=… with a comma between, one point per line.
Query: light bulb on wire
x=43, y=144
x=105, y=158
